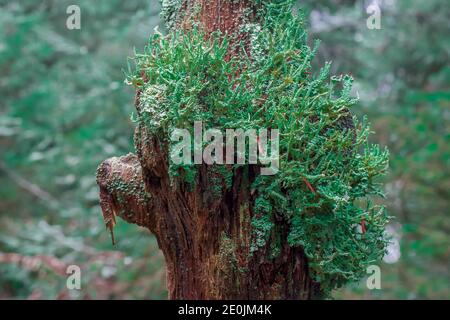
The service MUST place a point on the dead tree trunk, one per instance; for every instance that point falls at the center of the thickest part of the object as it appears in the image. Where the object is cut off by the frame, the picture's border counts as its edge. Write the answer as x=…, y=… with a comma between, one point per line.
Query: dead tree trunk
x=205, y=238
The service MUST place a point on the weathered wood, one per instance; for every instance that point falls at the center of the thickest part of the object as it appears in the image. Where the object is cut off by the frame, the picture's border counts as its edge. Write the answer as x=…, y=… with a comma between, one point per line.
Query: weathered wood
x=205, y=237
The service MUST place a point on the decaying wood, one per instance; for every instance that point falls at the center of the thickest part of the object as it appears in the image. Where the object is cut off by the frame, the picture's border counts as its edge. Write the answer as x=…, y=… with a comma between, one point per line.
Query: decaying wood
x=205, y=237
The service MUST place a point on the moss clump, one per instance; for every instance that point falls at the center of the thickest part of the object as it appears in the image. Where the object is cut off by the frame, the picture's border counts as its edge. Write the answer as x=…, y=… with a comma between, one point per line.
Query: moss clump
x=328, y=170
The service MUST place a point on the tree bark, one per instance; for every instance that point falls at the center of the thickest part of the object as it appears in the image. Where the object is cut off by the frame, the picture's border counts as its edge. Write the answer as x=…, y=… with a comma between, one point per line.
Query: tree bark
x=205, y=237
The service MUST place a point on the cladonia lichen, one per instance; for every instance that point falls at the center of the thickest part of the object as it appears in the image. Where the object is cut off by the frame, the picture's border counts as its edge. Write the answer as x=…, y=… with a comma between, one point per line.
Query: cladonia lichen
x=328, y=169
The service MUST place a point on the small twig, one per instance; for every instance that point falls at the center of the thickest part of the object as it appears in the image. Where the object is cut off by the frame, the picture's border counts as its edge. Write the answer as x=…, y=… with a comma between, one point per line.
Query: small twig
x=363, y=226
x=310, y=187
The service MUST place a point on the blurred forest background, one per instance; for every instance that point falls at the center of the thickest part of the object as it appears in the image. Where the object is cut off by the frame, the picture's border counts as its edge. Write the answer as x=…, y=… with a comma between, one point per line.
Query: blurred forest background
x=64, y=108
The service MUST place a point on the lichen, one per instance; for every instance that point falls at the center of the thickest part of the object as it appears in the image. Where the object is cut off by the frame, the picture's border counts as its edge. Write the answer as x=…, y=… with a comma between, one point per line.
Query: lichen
x=225, y=266
x=125, y=184
x=328, y=170
x=169, y=10
x=151, y=105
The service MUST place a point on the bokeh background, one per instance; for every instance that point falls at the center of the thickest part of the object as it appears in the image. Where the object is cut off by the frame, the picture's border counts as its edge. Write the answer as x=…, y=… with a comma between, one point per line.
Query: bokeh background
x=64, y=108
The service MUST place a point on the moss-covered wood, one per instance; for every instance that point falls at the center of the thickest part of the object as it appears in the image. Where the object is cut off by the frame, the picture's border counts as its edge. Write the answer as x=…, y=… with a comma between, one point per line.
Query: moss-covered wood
x=225, y=230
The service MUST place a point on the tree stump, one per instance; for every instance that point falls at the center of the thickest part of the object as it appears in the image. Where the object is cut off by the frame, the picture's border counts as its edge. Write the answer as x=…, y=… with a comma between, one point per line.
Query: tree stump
x=226, y=230
x=205, y=238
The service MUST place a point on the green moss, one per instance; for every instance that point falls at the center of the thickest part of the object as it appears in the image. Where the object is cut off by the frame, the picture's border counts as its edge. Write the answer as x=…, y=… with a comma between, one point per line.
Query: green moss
x=327, y=166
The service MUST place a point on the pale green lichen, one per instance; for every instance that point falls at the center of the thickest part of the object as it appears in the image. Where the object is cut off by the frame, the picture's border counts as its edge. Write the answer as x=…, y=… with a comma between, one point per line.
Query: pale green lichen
x=169, y=11
x=328, y=170
x=151, y=105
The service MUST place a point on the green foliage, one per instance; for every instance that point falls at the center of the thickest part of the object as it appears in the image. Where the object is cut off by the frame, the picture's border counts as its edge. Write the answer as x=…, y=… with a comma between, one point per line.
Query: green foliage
x=188, y=78
x=402, y=76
